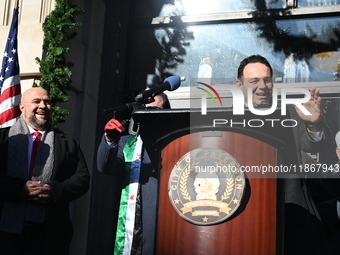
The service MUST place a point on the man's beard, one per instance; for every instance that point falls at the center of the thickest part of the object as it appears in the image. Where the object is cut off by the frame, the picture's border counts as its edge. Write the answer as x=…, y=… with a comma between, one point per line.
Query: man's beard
x=38, y=123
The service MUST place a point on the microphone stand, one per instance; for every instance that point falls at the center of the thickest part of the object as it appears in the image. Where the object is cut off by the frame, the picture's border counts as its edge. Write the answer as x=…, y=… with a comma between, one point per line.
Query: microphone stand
x=135, y=106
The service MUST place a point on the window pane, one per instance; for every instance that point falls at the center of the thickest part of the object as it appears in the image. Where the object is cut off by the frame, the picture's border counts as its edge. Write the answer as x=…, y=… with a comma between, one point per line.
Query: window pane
x=162, y=8
x=304, y=3
x=299, y=50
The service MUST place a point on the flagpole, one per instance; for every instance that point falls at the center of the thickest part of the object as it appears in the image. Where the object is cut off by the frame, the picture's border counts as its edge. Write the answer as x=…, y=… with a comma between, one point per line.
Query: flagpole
x=16, y=4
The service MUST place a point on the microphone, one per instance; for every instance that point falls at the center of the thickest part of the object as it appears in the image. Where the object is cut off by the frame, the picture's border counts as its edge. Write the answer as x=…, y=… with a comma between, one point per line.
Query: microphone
x=171, y=83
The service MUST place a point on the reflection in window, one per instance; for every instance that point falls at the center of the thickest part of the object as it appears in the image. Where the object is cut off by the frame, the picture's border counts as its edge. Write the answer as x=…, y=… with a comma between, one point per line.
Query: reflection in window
x=163, y=8
x=299, y=51
x=304, y=3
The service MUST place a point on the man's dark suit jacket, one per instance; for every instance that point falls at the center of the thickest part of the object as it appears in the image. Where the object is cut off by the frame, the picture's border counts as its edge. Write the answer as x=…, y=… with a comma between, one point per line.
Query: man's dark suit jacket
x=70, y=180
x=326, y=194
x=304, y=233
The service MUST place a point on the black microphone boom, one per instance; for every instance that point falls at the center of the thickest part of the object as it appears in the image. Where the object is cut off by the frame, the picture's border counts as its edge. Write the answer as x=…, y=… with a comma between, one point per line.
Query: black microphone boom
x=171, y=83
x=123, y=107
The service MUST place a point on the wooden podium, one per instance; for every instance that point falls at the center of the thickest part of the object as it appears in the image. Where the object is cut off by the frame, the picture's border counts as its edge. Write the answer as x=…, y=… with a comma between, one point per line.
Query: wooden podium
x=256, y=227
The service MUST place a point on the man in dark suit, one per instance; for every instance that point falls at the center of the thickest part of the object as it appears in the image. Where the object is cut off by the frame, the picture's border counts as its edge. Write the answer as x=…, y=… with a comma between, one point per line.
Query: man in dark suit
x=34, y=200
x=326, y=194
x=304, y=233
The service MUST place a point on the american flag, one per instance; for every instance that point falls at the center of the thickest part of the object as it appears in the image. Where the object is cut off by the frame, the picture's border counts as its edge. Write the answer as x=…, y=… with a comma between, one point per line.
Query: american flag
x=10, y=78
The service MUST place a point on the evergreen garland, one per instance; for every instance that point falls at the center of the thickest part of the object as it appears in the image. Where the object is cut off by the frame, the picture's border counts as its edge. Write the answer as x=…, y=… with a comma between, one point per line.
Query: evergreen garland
x=58, y=27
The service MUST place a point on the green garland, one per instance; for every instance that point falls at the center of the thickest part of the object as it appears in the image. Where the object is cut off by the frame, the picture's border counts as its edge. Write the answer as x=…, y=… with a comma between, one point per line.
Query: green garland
x=58, y=27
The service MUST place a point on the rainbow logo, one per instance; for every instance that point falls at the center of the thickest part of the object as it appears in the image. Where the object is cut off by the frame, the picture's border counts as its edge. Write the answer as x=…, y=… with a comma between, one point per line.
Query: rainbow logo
x=209, y=92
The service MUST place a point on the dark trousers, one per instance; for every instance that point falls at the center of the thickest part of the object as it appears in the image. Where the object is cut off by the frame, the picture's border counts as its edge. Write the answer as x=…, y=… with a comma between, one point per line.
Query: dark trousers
x=30, y=241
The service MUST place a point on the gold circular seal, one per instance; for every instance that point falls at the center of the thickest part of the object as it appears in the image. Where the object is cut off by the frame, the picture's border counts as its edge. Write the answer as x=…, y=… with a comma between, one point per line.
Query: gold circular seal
x=206, y=186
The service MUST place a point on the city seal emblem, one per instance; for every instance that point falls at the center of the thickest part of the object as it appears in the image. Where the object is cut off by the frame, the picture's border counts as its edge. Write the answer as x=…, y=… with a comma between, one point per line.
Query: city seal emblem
x=206, y=186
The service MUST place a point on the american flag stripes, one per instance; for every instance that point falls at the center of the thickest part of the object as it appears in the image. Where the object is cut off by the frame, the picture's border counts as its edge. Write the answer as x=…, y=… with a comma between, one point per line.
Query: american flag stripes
x=10, y=78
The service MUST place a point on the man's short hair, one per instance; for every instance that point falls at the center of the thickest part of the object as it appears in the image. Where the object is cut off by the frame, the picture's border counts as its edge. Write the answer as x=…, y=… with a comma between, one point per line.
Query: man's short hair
x=165, y=99
x=252, y=59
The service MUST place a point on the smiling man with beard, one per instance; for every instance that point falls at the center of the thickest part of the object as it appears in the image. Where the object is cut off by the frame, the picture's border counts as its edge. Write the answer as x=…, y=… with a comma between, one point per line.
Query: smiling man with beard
x=42, y=171
x=36, y=108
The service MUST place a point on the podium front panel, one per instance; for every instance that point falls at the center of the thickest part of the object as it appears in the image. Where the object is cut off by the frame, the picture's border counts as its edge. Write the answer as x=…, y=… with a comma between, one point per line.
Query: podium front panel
x=251, y=229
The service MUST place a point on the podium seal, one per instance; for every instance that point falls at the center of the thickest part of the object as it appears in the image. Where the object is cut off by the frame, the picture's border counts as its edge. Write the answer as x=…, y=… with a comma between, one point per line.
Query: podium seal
x=206, y=186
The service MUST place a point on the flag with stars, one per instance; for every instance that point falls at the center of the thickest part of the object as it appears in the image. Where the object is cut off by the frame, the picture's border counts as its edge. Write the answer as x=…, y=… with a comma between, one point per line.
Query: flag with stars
x=10, y=78
x=129, y=226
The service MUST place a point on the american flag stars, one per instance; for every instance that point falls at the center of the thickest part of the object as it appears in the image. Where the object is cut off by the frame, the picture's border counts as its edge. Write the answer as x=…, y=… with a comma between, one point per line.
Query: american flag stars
x=10, y=78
